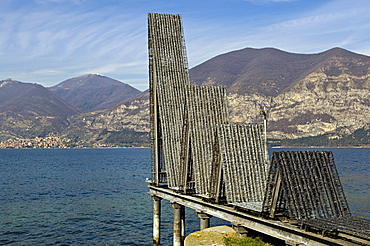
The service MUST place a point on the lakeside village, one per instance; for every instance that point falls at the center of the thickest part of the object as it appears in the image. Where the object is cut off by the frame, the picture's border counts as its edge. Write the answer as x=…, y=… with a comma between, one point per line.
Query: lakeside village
x=49, y=142
x=45, y=143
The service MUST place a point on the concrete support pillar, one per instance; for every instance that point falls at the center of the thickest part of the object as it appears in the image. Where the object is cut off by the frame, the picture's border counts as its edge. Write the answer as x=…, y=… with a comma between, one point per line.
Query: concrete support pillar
x=156, y=220
x=183, y=223
x=240, y=230
x=178, y=224
x=204, y=220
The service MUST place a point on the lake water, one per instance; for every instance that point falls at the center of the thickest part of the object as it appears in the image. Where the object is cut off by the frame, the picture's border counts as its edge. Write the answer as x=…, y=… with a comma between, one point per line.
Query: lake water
x=99, y=196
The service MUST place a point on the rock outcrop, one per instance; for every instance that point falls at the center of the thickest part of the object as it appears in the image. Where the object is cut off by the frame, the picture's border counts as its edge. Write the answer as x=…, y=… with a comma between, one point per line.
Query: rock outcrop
x=213, y=236
x=317, y=99
x=319, y=104
x=132, y=115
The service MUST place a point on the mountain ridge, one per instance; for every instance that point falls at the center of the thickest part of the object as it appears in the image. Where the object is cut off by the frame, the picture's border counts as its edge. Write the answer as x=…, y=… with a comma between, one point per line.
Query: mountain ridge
x=266, y=71
x=318, y=99
x=17, y=96
x=28, y=110
x=323, y=105
x=93, y=92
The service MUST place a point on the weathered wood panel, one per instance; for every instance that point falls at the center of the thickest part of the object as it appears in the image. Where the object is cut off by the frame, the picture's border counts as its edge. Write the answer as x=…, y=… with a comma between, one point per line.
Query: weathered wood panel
x=169, y=77
x=206, y=108
x=244, y=160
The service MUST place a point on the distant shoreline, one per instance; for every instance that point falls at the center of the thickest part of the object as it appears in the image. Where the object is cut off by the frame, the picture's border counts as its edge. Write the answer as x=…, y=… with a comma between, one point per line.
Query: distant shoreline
x=320, y=147
x=275, y=147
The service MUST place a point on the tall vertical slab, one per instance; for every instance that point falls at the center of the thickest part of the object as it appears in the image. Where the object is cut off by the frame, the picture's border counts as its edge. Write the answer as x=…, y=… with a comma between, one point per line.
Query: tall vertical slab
x=206, y=108
x=168, y=74
x=244, y=161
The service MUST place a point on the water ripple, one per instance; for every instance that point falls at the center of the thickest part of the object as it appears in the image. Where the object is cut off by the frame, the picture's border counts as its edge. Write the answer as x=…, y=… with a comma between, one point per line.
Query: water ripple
x=99, y=197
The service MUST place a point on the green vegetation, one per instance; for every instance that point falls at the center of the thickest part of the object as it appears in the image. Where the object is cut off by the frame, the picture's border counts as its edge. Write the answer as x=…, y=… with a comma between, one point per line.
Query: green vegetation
x=126, y=138
x=6, y=135
x=105, y=138
x=248, y=241
x=360, y=137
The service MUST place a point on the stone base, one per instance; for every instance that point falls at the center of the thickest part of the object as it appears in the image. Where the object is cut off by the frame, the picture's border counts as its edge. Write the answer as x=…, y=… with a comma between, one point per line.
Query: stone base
x=213, y=236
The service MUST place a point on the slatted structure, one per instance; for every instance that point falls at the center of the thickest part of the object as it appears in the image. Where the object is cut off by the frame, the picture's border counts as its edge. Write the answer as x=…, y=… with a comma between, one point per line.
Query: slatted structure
x=197, y=151
x=244, y=161
x=349, y=225
x=312, y=194
x=206, y=108
x=169, y=77
x=311, y=184
x=183, y=124
x=275, y=199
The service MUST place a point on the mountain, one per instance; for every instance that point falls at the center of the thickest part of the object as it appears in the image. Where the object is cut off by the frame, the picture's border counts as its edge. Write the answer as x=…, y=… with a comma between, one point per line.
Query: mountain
x=31, y=110
x=94, y=92
x=124, y=125
x=269, y=71
x=306, y=95
x=311, y=99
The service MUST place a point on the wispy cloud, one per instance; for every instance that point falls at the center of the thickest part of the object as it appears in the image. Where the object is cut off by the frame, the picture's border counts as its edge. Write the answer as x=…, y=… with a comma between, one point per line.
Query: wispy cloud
x=333, y=24
x=127, y=68
x=261, y=2
x=319, y=20
x=42, y=33
x=49, y=41
x=47, y=72
x=59, y=1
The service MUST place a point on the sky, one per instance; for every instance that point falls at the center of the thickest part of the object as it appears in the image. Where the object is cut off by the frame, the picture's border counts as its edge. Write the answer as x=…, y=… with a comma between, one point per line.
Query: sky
x=49, y=41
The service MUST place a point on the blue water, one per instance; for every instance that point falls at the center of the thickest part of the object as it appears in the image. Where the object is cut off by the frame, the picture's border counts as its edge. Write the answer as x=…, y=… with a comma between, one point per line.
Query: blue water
x=99, y=197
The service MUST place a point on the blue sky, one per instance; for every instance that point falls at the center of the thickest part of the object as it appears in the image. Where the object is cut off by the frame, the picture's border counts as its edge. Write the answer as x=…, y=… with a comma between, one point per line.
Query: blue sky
x=49, y=41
